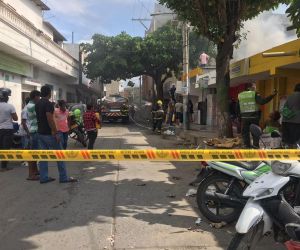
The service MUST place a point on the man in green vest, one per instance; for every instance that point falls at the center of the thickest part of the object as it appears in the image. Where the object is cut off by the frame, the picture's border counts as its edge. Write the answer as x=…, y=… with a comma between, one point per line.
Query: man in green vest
x=249, y=110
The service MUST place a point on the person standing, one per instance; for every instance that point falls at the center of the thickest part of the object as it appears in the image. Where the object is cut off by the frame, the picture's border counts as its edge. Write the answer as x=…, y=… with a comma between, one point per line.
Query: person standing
x=158, y=117
x=172, y=92
x=249, y=110
x=61, y=117
x=35, y=95
x=170, y=113
x=179, y=112
x=7, y=116
x=48, y=136
x=23, y=131
x=204, y=58
x=90, y=122
x=291, y=118
x=191, y=110
x=153, y=112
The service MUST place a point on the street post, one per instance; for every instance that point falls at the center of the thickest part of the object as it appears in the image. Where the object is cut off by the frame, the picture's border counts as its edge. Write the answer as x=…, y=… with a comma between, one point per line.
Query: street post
x=186, y=79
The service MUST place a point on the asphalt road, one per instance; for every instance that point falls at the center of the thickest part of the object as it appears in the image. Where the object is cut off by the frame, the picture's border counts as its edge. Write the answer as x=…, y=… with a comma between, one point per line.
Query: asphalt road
x=115, y=205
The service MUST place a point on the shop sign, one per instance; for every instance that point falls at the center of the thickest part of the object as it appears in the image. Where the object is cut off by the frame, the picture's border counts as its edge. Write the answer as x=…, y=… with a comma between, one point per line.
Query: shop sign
x=240, y=68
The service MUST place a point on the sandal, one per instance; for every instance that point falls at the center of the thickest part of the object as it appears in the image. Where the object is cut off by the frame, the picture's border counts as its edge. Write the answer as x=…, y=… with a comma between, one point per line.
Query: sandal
x=33, y=178
x=50, y=179
x=70, y=180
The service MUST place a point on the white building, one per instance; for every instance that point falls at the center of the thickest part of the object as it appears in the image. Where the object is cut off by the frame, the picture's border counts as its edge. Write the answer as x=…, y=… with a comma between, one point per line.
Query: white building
x=31, y=53
x=112, y=88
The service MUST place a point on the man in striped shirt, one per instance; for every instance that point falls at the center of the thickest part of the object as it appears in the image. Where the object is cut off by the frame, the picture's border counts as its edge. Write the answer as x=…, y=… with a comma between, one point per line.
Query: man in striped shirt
x=33, y=127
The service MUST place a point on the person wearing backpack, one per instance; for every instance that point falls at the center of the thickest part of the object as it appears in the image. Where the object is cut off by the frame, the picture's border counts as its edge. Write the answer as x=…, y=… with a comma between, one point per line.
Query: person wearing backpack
x=291, y=118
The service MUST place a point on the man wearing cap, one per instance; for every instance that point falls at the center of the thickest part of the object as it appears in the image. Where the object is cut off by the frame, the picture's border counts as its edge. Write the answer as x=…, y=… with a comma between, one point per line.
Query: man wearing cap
x=249, y=110
x=7, y=116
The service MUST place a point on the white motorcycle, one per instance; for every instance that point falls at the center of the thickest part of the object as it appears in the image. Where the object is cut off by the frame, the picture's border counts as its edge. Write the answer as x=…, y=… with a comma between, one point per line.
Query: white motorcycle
x=273, y=199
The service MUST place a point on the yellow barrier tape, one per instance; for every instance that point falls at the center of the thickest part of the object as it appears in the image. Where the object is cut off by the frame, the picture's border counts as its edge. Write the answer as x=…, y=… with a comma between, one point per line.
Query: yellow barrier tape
x=148, y=155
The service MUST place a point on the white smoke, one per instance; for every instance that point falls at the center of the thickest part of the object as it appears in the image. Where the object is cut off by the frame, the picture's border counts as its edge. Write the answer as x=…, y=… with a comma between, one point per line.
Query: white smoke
x=266, y=31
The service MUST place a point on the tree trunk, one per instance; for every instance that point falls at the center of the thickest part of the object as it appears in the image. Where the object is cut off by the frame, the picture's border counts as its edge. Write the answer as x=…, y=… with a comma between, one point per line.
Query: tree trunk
x=223, y=84
x=159, y=88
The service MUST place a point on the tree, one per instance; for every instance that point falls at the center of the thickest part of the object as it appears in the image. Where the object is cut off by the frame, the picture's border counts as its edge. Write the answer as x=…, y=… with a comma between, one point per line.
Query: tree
x=221, y=21
x=158, y=55
x=294, y=13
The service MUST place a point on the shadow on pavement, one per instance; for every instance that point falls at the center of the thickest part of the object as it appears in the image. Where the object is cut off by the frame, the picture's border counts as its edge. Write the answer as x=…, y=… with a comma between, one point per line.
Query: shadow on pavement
x=94, y=213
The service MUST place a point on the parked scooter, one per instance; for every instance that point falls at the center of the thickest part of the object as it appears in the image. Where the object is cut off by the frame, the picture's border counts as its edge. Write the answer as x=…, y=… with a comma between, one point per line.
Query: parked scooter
x=77, y=132
x=219, y=194
x=270, y=207
x=293, y=231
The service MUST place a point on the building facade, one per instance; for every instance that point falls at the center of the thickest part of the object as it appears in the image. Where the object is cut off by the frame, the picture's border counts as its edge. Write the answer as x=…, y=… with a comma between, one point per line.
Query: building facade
x=112, y=89
x=32, y=54
x=269, y=70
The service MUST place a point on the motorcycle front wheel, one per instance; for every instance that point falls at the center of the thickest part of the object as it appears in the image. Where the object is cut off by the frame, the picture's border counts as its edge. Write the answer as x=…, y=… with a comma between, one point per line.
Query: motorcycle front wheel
x=249, y=240
x=216, y=211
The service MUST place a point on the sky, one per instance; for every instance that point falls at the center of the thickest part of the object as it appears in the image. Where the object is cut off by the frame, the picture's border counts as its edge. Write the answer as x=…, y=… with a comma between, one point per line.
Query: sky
x=108, y=17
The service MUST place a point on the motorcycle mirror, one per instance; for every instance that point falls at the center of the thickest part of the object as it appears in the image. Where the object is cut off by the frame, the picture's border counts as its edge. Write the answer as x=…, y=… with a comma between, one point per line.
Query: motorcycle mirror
x=275, y=134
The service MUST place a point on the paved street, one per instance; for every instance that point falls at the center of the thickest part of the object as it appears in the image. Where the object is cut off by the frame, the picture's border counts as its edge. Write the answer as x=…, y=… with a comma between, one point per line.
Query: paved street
x=114, y=205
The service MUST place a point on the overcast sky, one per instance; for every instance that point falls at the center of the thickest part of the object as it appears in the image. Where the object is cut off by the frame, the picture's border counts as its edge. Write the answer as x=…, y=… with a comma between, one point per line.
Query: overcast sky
x=109, y=17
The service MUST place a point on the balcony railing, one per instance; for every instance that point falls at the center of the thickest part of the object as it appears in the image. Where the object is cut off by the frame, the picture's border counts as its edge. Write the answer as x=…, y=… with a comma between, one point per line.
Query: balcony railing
x=10, y=16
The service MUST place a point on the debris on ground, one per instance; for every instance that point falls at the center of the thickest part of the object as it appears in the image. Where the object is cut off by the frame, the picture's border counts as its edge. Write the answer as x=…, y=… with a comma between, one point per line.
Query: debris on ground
x=175, y=178
x=191, y=192
x=224, y=143
x=169, y=132
x=195, y=229
x=198, y=221
x=141, y=185
x=218, y=225
x=171, y=196
x=111, y=239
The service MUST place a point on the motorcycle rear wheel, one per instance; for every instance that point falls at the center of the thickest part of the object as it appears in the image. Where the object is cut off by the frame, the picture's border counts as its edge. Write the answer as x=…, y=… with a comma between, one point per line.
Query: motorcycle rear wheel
x=211, y=209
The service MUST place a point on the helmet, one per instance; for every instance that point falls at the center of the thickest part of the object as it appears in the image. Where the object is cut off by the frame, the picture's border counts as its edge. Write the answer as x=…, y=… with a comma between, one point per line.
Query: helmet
x=159, y=102
x=77, y=112
x=5, y=92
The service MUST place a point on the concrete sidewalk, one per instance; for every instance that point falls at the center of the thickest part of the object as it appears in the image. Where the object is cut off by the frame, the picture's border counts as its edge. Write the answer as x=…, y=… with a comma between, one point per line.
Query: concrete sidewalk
x=193, y=137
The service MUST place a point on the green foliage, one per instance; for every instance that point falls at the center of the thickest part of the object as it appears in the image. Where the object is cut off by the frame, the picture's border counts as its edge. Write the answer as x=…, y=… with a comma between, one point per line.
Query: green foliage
x=221, y=21
x=159, y=54
x=294, y=13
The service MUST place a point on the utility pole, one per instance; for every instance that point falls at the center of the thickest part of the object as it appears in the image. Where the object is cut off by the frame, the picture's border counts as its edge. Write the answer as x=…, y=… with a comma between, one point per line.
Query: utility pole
x=140, y=90
x=186, y=79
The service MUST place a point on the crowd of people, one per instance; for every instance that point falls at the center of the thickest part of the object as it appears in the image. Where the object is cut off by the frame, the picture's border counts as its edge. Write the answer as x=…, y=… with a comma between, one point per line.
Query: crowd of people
x=171, y=111
x=44, y=126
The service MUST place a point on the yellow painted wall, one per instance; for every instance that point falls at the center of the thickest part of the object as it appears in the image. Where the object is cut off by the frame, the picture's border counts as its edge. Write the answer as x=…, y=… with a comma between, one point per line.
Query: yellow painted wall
x=281, y=77
x=284, y=85
x=259, y=64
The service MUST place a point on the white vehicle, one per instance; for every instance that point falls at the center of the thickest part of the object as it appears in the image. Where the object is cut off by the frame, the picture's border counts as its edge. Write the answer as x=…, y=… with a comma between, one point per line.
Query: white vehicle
x=267, y=209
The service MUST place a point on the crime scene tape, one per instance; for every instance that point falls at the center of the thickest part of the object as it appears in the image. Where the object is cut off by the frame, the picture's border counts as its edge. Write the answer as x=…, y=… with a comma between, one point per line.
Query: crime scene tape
x=149, y=155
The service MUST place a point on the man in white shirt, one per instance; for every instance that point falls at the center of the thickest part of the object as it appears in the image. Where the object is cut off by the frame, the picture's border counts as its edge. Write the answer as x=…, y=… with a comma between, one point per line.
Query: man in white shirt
x=7, y=116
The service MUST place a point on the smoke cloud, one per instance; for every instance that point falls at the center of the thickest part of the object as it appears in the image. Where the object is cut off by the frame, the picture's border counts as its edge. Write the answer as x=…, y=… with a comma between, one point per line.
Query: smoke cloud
x=266, y=31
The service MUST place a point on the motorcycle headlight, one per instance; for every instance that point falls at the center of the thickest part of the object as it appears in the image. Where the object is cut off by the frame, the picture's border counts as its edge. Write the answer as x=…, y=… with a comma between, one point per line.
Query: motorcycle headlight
x=264, y=192
x=280, y=168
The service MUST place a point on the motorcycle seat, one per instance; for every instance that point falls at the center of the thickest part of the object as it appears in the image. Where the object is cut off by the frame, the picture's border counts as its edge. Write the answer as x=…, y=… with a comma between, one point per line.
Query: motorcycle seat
x=249, y=165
